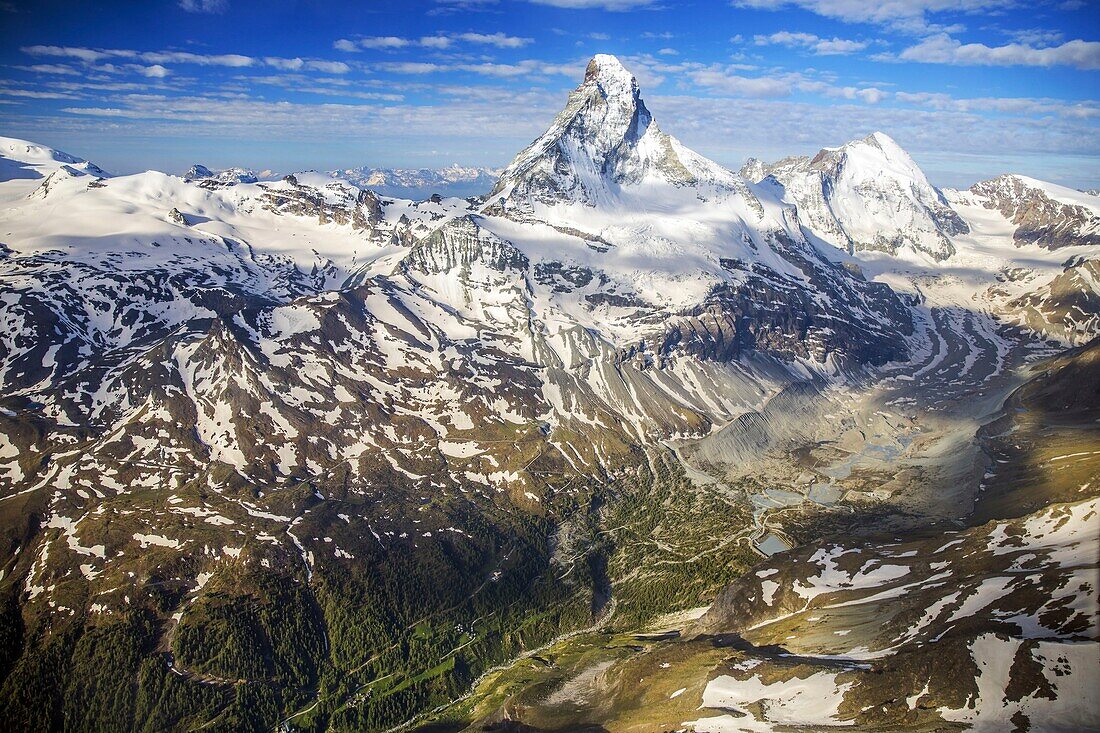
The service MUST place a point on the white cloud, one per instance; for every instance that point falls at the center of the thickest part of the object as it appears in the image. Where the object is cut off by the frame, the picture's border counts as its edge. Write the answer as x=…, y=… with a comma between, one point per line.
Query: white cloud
x=410, y=67
x=527, y=67
x=943, y=49
x=870, y=95
x=328, y=67
x=285, y=64
x=383, y=42
x=1043, y=106
x=233, y=60
x=156, y=71
x=204, y=6
x=741, y=86
x=33, y=94
x=616, y=5
x=49, y=69
x=297, y=64
x=1035, y=36
x=321, y=86
x=435, y=42
x=450, y=6
x=837, y=46
x=499, y=40
x=158, y=58
x=903, y=15
x=669, y=52
x=446, y=7
x=91, y=55
x=392, y=43
x=811, y=42
x=726, y=80
x=84, y=54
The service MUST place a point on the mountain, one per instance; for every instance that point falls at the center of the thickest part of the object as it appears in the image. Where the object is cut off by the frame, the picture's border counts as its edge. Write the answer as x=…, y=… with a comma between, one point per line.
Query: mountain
x=421, y=183
x=675, y=239
x=867, y=195
x=1044, y=214
x=229, y=176
x=986, y=623
x=298, y=454
x=24, y=160
x=604, y=147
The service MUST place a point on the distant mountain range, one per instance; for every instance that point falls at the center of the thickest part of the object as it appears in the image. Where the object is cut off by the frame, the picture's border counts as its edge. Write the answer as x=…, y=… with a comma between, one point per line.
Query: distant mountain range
x=412, y=183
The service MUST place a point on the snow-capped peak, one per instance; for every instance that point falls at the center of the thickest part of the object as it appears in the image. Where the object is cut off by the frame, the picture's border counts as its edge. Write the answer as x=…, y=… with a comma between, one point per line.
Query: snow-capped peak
x=886, y=144
x=868, y=194
x=1045, y=214
x=34, y=156
x=876, y=156
x=604, y=139
x=229, y=176
x=611, y=76
x=198, y=171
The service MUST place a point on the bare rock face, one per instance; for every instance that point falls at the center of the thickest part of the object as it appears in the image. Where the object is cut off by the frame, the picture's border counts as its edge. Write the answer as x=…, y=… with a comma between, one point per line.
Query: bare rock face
x=359, y=209
x=771, y=313
x=1066, y=308
x=175, y=216
x=1041, y=218
x=459, y=244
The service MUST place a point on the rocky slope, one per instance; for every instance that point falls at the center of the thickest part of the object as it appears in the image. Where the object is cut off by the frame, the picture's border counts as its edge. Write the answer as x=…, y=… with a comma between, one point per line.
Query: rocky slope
x=990, y=623
x=1044, y=214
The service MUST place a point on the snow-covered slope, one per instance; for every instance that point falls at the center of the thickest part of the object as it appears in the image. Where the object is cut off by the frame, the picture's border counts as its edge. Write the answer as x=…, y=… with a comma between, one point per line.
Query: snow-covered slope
x=24, y=166
x=867, y=195
x=1037, y=266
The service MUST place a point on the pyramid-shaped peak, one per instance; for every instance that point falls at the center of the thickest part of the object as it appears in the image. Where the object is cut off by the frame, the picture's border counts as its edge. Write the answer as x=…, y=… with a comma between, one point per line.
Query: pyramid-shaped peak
x=603, y=141
x=869, y=154
x=880, y=139
x=886, y=144
x=610, y=74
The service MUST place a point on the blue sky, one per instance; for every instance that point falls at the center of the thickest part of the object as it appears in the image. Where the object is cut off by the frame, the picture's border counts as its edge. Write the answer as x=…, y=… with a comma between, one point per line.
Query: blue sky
x=971, y=88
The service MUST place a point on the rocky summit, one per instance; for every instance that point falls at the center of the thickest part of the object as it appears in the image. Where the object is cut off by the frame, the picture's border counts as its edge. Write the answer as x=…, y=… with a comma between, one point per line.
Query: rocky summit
x=628, y=441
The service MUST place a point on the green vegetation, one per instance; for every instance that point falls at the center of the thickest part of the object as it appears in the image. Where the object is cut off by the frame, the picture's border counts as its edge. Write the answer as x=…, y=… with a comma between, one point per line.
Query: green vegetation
x=367, y=643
